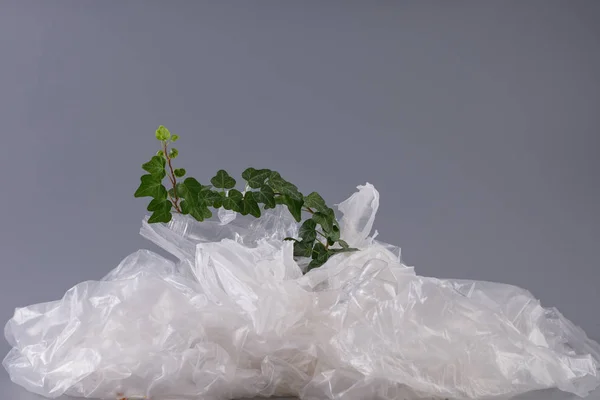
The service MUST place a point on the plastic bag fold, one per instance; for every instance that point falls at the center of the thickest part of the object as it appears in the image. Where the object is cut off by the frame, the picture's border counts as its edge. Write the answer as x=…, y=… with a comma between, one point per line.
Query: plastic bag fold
x=234, y=316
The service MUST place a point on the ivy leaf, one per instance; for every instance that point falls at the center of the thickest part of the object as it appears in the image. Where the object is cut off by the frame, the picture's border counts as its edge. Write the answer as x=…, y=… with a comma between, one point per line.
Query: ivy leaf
x=191, y=186
x=315, y=202
x=192, y=203
x=180, y=190
x=334, y=234
x=174, y=138
x=325, y=220
x=209, y=197
x=343, y=250
x=157, y=204
x=302, y=249
x=265, y=196
x=156, y=166
x=173, y=153
x=218, y=203
x=234, y=201
x=319, y=250
x=256, y=177
x=179, y=172
x=222, y=180
x=197, y=210
x=319, y=256
x=308, y=231
x=344, y=244
x=163, y=133
x=162, y=211
x=293, y=205
x=315, y=263
x=284, y=187
x=250, y=205
x=151, y=186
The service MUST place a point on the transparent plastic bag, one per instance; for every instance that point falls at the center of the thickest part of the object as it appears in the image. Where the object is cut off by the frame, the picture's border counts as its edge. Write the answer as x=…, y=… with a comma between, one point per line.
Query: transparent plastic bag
x=235, y=317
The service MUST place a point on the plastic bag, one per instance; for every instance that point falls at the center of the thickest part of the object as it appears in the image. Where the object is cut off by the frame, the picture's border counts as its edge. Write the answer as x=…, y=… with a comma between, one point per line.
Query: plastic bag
x=235, y=317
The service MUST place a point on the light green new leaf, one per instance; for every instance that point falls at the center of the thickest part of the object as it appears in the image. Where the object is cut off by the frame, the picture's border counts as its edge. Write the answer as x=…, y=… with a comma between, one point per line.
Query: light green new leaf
x=162, y=133
x=222, y=180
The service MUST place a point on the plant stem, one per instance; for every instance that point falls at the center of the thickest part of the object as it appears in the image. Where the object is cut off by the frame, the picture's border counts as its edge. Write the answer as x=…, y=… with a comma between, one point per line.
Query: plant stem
x=309, y=210
x=173, y=179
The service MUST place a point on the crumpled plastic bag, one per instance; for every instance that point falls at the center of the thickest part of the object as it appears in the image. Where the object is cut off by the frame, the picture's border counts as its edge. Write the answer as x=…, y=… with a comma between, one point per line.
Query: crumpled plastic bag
x=235, y=317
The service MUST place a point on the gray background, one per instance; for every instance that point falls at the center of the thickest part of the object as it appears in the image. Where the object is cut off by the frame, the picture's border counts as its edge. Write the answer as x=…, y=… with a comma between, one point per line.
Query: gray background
x=477, y=121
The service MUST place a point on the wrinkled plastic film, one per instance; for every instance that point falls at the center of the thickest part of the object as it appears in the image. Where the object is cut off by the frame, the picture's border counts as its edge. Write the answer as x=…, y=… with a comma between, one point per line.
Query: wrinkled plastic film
x=235, y=317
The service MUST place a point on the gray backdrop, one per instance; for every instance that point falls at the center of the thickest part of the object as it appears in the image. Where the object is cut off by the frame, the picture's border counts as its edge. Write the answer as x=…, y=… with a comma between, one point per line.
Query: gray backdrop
x=477, y=122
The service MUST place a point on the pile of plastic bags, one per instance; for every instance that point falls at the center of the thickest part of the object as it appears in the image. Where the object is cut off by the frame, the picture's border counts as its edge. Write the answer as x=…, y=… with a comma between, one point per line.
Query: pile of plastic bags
x=235, y=317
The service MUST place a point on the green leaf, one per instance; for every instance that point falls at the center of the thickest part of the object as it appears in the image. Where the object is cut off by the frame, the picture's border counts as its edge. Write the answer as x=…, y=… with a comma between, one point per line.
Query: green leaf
x=334, y=234
x=265, y=196
x=250, y=205
x=343, y=250
x=157, y=204
x=210, y=197
x=325, y=220
x=308, y=231
x=163, y=133
x=319, y=251
x=315, y=263
x=218, y=203
x=174, y=138
x=234, y=201
x=291, y=239
x=151, y=186
x=256, y=177
x=320, y=255
x=180, y=190
x=156, y=166
x=173, y=153
x=315, y=202
x=285, y=188
x=160, y=153
x=344, y=244
x=162, y=211
x=302, y=249
x=193, y=204
x=293, y=205
x=191, y=185
x=222, y=180
x=179, y=172
x=197, y=210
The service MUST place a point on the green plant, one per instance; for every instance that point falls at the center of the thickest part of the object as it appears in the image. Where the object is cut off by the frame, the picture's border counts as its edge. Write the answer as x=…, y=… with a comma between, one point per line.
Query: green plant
x=318, y=235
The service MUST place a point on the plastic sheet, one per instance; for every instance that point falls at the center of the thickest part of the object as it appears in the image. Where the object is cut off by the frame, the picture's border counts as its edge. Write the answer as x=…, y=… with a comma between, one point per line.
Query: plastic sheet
x=235, y=317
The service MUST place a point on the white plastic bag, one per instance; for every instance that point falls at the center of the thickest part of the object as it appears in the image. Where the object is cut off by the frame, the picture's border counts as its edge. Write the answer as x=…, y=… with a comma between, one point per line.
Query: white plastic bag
x=235, y=317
